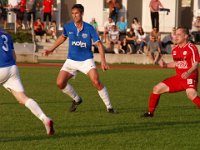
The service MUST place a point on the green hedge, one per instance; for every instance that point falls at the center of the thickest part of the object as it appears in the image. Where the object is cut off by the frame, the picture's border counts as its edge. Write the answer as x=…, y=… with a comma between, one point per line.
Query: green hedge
x=21, y=37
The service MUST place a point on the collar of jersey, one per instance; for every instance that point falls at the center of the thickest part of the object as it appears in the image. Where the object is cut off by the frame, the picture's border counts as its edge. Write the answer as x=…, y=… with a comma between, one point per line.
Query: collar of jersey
x=77, y=28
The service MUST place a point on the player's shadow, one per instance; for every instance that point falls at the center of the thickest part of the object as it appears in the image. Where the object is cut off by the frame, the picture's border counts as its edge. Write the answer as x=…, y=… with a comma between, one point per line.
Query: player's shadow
x=111, y=129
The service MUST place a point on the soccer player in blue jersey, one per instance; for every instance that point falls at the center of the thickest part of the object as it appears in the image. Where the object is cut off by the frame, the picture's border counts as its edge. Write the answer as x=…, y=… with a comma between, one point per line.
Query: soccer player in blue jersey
x=80, y=57
x=10, y=79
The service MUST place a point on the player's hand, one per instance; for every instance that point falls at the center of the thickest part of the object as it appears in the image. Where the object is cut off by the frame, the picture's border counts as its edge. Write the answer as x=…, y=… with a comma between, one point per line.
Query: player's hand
x=185, y=75
x=104, y=66
x=47, y=52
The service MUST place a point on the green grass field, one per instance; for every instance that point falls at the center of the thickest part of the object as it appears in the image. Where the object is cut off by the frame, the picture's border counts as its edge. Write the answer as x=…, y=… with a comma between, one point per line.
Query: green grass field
x=176, y=125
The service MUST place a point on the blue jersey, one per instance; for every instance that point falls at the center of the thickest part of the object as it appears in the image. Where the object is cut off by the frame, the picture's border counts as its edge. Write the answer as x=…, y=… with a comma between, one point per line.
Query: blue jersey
x=80, y=42
x=6, y=50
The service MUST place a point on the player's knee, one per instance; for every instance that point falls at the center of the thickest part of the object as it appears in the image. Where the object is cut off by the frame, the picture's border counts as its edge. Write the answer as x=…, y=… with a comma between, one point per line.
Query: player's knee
x=60, y=85
x=156, y=89
x=191, y=95
x=97, y=84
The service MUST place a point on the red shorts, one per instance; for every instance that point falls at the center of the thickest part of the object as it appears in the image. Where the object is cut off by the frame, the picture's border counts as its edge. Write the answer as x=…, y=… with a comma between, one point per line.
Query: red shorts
x=176, y=84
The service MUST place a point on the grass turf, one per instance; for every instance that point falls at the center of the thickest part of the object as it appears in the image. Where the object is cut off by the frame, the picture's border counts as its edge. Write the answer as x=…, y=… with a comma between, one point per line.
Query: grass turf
x=175, y=125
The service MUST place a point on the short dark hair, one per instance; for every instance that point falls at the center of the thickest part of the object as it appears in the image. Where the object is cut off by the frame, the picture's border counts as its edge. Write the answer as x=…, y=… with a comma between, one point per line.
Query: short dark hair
x=79, y=7
x=185, y=30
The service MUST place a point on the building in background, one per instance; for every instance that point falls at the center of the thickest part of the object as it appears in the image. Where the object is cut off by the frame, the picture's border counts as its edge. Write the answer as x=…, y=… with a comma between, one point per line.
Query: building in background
x=181, y=12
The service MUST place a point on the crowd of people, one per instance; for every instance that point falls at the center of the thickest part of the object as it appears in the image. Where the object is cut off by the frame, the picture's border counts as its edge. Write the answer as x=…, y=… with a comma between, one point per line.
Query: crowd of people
x=118, y=36
x=28, y=16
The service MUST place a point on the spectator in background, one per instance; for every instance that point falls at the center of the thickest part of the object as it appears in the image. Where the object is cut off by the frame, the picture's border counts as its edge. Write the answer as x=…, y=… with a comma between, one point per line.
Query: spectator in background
x=122, y=26
x=94, y=24
x=196, y=30
x=3, y=13
x=114, y=39
x=53, y=30
x=141, y=40
x=155, y=6
x=131, y=40
x=125, y=47
x=114, y=8
x=39, y=29
x=135, y=25
x=168, y=42
x=22, y=8
x=153, y=49
x=155, y=33
x=48, y=11
x=31, y=11
x=107, y=27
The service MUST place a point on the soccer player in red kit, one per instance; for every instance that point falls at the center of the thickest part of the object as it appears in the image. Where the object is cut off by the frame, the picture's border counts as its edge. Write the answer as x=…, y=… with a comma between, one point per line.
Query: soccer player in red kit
x=186, y=60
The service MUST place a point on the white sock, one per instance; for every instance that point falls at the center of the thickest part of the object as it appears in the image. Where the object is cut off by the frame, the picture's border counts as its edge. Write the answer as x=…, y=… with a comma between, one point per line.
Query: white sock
x=105, y=97
x=35, y=109
x=69, y=90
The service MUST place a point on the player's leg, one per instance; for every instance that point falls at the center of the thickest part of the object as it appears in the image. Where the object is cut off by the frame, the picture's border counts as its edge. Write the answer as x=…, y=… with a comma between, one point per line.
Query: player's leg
x=192, y=95
x=14, y=85
x=103, y=93
x=65, y=74
x=171, y=84
x=35, y=109
x=159, y=89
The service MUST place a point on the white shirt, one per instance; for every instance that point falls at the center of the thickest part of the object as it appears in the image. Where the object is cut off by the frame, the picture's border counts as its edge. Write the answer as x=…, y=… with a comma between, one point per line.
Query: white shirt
x=13, y=3
x=108, y=25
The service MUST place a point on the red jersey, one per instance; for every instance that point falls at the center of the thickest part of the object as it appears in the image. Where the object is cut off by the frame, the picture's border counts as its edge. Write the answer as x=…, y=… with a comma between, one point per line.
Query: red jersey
x=184, y=57
x=47, y=4
x=22, y=5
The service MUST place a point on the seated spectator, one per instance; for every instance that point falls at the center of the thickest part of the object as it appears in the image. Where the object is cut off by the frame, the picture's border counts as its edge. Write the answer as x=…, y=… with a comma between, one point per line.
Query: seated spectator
x=136, y=25
x=107, y=27
x=196, y=30
x=52, y=30
x=131, y=39
x=114, y=39
x=141, y=40
x=153, y=49
x=122, y=26
x=94, y=24
x=39, y=29
x=155, y=33
x=168, y=42
x=125, y=48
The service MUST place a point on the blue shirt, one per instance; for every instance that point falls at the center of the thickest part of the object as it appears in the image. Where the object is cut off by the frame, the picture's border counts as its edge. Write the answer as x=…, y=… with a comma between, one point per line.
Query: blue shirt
x=6, y=50
x=80, y=42
x=122, y=25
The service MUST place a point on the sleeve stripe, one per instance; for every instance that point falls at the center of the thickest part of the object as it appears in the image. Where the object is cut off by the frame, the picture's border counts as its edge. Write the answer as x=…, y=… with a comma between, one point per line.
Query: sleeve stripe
x=193, y=53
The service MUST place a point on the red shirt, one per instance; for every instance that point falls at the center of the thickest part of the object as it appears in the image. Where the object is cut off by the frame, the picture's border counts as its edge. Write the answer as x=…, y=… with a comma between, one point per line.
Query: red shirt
x=47, y=4
x=184, y=57
x=155, y=5
x=22, y=5
x=39, y=28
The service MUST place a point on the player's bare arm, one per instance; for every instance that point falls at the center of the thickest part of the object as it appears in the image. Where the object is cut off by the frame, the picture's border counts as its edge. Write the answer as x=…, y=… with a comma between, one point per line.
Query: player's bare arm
x=14, y=55
x=104, y=65
x=163, y=64
x=58, y=42
x=192, y=69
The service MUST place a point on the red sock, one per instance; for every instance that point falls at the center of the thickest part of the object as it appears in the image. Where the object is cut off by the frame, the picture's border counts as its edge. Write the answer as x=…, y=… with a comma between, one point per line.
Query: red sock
x=196, y=101
x=153, y=102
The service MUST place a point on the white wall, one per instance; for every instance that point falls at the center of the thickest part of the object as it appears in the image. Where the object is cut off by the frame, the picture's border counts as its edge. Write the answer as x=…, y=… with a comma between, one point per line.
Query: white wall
x=93, y=9
x=166, y=21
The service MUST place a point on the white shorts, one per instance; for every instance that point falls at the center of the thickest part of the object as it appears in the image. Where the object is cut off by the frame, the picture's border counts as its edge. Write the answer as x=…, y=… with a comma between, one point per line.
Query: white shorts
x=10, y=79
x=72, y=66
